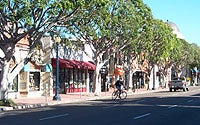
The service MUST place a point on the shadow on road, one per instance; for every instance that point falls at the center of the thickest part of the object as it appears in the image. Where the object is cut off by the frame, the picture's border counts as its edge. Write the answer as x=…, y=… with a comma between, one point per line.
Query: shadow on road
x=82, y=112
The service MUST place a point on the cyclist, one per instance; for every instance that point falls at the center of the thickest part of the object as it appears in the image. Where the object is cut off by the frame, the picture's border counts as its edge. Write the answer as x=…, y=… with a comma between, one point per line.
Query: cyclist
x=119, y=84
x=119, y=92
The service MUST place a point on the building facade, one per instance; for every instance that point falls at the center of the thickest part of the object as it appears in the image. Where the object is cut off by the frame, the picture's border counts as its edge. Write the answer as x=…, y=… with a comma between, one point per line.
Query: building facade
x=35, y=76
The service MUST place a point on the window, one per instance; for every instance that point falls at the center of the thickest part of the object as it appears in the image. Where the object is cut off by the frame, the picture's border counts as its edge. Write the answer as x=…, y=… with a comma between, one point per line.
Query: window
x=34, y=81
x=62, y=75
x=14, y=86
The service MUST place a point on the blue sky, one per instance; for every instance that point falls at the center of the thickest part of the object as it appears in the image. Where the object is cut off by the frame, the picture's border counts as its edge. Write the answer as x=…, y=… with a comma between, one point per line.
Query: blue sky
x=184, y=13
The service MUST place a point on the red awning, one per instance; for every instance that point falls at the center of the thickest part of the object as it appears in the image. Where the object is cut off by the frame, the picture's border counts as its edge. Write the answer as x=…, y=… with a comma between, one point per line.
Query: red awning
x=82, y=64
x=74, y=63
x=66, y=63
x=90, y=66
x=62, y=63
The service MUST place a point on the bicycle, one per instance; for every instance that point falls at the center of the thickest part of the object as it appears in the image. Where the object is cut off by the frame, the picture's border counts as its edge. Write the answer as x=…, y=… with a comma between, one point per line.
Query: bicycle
x=121, y=94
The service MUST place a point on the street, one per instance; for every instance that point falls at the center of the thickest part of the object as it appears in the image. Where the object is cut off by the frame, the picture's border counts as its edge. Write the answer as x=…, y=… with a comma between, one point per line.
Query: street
x=166, y=108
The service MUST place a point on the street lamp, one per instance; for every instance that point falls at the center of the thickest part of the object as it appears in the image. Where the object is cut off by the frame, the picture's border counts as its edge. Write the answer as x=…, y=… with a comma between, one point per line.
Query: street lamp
x=57, y=96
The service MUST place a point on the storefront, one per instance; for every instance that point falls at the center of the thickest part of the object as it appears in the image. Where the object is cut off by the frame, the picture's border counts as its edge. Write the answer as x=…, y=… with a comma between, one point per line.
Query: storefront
x=74, y=75
x=104, y=80
x=138, y=80
x=32, y=80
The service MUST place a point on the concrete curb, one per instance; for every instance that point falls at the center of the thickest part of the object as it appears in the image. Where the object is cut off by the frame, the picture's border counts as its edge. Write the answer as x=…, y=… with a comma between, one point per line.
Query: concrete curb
x=28, y=106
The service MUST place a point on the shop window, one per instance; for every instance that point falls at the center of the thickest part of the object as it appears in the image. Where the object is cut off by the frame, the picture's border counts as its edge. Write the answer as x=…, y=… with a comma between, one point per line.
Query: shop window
x=71, y=75
x=79, y=79
x=91, y=81
x=75, y=76
x=82, y=79
x=84, y=76
x=14, y=85
x=62, y=75
x=91, y=76
x=67, y=75
x=34, y=81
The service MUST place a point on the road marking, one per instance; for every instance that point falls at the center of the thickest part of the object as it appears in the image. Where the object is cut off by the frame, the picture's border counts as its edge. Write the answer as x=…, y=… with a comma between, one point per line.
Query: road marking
x=51, y=117
x=141, y=116
x=106, y=107
x=190, y=100
x=140, y=101
x=1, y=114
x=172, y=106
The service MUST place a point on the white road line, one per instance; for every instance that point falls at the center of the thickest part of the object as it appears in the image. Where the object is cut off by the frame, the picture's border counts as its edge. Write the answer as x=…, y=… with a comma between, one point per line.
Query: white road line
x=106, y=107
x=140, y=101
x=1, y=114
x=172, y=106
x=190, y=100
x=141, y=116
x=51, y=117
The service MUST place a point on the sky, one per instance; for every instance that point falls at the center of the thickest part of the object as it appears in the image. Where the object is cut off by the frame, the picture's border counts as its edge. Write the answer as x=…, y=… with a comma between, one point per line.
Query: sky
x=184, y=13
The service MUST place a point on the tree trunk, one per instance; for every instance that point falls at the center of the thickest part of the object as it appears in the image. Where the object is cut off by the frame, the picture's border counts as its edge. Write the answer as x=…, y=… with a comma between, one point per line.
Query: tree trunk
x=166, y=81
x=4, y=81
x=154, y=78
x=97, y=79
x=97, y=83
x=130, y=83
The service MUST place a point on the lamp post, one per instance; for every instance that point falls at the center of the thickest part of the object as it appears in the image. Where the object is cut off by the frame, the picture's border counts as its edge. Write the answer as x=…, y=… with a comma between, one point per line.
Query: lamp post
x=57, y=96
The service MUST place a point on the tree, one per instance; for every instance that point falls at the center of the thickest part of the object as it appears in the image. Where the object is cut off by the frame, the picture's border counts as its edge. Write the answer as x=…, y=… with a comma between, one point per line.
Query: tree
x=181, y=58
x=194, y=55
x=139, y=38
x=106, y=30
x=31, y=19
x=162, y=43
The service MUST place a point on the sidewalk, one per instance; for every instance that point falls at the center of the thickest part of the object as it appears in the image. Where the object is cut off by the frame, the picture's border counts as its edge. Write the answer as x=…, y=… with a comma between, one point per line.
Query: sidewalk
x=24, y=103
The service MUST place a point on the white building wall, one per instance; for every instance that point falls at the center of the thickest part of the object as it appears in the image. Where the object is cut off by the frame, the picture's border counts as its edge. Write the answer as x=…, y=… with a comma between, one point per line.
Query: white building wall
x=66, y=52
x=89, y=52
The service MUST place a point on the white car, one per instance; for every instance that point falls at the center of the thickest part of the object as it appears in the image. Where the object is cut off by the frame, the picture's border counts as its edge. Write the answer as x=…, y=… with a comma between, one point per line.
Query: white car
x=178, y=83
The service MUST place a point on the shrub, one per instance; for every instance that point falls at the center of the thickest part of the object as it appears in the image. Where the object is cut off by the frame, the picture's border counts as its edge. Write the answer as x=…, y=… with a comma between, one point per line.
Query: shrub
x=7, y=102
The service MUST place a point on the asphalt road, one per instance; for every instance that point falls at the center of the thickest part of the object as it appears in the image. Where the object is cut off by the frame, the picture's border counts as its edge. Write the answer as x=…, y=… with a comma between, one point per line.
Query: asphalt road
x=158, y=108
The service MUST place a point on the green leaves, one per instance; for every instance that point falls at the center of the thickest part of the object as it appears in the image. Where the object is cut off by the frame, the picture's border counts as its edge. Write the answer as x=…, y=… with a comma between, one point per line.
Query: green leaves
x=125, y=24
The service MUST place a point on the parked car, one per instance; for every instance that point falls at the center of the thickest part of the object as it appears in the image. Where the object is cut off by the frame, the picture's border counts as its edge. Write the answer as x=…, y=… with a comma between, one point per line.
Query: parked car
x=178, y=83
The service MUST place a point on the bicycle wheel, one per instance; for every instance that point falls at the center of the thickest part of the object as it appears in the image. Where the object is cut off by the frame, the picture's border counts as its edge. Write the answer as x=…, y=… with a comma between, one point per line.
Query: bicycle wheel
x=114, y=95
x=123, y=95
